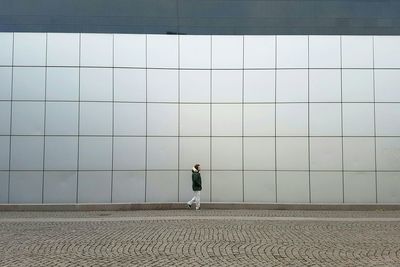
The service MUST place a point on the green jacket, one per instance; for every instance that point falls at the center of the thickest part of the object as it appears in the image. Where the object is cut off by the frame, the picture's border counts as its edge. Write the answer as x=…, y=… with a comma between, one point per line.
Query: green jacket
x=196, y=181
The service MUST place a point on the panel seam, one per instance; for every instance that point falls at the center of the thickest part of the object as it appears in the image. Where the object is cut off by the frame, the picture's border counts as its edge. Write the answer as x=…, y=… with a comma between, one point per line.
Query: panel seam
x=375, y=137
x=11, y=118
x=308, y=119
x=179, y=107
x=243, y=138
x=112, y=120
x=275, y=88
x=211, y=108
x=79, y=119
x=341, y=117
x=44, y=120
x=146, y=125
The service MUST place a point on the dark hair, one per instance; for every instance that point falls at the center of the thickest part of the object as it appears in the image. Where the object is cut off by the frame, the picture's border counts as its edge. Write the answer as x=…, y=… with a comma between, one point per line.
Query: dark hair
x=197, y=166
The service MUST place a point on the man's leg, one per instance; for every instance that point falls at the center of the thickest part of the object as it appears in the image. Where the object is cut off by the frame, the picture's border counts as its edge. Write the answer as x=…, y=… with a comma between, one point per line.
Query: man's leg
x=190, y=202
x=197, y=195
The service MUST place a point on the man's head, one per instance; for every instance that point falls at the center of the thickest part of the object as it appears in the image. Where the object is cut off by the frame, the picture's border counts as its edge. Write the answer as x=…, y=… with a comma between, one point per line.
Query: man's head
x=197, y=167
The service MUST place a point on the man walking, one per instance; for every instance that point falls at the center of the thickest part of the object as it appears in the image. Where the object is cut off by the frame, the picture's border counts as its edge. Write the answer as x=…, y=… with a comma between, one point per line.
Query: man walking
x=196, y=186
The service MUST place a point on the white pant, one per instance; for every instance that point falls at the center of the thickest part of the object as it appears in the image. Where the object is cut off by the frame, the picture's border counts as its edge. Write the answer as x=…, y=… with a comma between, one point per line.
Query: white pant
x=196, y=198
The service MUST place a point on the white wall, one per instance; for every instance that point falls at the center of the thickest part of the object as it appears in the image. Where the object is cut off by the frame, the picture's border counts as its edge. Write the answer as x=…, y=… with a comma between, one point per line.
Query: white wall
x=122, y=118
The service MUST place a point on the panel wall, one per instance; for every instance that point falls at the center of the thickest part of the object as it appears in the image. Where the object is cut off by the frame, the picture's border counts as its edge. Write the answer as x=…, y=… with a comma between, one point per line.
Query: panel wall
x=122, y=118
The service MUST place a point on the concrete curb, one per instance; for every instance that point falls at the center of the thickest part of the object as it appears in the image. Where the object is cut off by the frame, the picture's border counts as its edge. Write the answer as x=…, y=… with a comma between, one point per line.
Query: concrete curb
x=178, y=206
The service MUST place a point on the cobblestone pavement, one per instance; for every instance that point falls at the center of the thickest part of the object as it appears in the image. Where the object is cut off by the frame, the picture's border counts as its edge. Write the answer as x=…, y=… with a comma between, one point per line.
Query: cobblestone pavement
x=200, y=238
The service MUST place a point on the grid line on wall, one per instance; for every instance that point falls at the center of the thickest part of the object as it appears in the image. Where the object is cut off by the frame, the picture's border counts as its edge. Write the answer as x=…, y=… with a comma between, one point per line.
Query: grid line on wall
x=11, y=118
x=112, y=119
x=177, y=69
x=44, y=120
x=275, y=144
x=341, y=114
x=242, y=106
x=308, y=119
x=211, y=139
x=146, y=125
x=202, y=103
x=374, y=97
x=239, y=170
x=79, y=119
x=226, y=136
x=179, y=110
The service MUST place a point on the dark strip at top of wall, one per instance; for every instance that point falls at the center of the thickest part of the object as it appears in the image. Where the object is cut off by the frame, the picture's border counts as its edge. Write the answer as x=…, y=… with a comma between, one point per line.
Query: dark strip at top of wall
x=345, y=17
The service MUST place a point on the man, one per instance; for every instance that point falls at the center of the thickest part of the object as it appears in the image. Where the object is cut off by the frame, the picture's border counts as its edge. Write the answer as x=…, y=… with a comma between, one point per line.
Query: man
x=196, y=186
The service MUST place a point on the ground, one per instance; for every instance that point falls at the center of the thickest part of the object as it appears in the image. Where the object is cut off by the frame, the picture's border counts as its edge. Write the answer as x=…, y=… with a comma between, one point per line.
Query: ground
x=200, y=238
